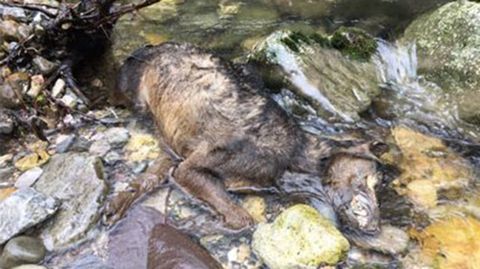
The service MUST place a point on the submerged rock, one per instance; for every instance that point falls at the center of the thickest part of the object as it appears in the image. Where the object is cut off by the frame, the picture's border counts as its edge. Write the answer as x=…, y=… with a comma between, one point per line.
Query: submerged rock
x=24, y=209
x=448, y=42
x=391, y=240
x=76, y=179
x=299, y=238
x=333, y=82
x=450, y=243
x=141, y=240
x=427, y=167
x=22, y=250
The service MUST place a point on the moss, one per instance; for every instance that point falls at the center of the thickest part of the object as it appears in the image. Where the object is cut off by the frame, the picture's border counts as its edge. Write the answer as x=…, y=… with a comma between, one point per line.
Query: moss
x=296, y=39
x=354, y=42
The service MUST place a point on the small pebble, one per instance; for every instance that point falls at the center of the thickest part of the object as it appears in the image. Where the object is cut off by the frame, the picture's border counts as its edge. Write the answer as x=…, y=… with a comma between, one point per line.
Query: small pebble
x=100, y=147
x=64, y=142
x=112, y=158
x=22, y=250
x=44, y=66
x=117, y=136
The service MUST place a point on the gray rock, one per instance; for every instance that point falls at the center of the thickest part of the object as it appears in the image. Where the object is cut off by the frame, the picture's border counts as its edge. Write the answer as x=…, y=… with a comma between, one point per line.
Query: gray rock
x=78, y=180
x=58, y=88
x=81, y=144
x=17, y=13
x=30, y=266
x=117, y=136
x=22, y=210
x=6, y=125
x=28, y=178
x=5, y=176
x=448, y=42
x=112, y=158
x=45, y=66
x=64, y=142
x=334, y=84
x=100, y=148
x=22, y=250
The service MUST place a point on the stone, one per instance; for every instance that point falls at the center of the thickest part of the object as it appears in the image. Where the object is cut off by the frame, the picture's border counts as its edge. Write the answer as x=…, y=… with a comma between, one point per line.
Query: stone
x=32, y=160
x=447, y=45
x=450, y=243
x=112, y=157
x=70, y=100
x=64, y=142
x=22, y=250
x=117, y=136
x=6, y=175
x=391, y=240
x=44, y=66
x=58, y=88
x=100, y=147
x=6, y=192
x=156, y=244
x=24, y=209
x=333, y=83
x=28, y=178
x=77, y=179
x=5, y=159
x=256, y=207
x=142, y=147
x=299, y=238
x=9, y=30
x=427, y=167
x=6, y=124
x=30, y=266
x=36, y=85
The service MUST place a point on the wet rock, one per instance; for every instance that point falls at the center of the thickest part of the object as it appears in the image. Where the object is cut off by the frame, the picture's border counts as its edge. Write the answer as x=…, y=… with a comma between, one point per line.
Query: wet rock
x=428, y=167
x=76, y=179
x=100, y=147
x=30, y=266
x=36, y=85
x=256, y=207
x=304, y=8
x=333, y=83
x=391, y=240
x=6, y=124
x=64, y=142
x=359, y=258
x=32, y=160
x=70, y=100
x=354, y=42
x=142, y=147
x=299, y=238
x=155, y=244
x=112, y=157
x=117, y=136
x=22, y=250
x=450, y=243
x=58, y=88
x=9, y=30
x=44, y=66
x=447, y=43
x=28, y=178
x=22, y=210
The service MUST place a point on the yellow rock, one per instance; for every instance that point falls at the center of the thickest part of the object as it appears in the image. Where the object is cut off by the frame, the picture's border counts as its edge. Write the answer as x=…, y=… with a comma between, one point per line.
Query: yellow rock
x=426, y=159
x=423, y=193
x=142, y=147
x=32, y=160
x=4, y=193
x=451, y=243
x=256, y=207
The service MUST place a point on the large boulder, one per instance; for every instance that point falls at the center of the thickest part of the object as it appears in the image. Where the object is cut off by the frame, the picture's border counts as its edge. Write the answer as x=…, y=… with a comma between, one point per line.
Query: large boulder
x=448, y=44
x=76, y=179
x=24, y=209
x=334, y=74
x=299, y=238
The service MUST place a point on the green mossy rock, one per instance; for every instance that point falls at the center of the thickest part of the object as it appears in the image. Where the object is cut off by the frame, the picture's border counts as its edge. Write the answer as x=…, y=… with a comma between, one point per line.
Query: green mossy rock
x=299, y=238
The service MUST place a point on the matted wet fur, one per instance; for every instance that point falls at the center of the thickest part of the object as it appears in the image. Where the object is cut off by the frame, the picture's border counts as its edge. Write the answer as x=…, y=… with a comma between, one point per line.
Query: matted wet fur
x=229, y=134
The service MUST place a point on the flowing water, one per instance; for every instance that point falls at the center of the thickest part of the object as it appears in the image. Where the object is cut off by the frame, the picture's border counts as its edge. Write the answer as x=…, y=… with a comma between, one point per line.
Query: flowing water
x=231, y=28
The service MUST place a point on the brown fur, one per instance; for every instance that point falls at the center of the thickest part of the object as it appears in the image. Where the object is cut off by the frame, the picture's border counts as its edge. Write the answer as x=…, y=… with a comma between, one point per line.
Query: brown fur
x=226, y=130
